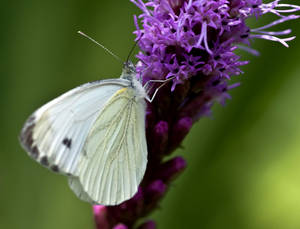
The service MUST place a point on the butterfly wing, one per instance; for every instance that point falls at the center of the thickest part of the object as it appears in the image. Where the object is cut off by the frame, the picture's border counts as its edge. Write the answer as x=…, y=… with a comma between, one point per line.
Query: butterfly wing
x=76, y=186
x=55, y=134
x=115, y=152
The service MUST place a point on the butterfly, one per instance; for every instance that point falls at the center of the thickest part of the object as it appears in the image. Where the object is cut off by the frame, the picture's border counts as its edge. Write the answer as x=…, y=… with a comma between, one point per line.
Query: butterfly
x=95, y=135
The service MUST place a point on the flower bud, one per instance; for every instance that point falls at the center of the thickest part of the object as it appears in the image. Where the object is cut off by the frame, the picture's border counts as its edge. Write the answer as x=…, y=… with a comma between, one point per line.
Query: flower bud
x=171, y=169
x=100, y=215
x=148, y=225
x=120, y=226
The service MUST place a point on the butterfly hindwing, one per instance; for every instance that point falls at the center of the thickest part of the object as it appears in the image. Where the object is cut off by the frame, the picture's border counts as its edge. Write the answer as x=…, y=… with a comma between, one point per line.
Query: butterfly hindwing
x=115, y=152
x=76, y=186
x=55, y=134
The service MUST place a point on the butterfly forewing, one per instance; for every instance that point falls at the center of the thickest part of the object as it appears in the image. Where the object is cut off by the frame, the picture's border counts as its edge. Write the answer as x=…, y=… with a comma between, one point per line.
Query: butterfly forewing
x=54, y=135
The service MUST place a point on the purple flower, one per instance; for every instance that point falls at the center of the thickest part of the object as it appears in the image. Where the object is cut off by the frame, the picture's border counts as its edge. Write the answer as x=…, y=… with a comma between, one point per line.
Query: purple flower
x=194, y=42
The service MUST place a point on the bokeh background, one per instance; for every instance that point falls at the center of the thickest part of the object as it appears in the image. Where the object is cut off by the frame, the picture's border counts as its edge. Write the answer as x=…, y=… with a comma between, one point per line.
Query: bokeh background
x=243, y=162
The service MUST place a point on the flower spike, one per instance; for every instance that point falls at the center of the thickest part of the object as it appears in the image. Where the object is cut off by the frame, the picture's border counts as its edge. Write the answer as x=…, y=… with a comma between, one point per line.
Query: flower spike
x=192, y=43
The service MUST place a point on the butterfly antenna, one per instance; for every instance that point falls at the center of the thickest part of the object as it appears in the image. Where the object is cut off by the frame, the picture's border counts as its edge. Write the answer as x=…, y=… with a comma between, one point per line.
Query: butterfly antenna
x=132, y=49
x=102, y=46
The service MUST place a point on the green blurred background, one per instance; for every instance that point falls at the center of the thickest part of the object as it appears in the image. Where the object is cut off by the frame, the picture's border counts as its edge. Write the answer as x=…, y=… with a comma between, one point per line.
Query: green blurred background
x=243, y=163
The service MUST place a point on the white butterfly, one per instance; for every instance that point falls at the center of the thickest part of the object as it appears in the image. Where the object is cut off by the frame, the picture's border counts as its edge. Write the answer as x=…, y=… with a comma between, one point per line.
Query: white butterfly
x=94, y=134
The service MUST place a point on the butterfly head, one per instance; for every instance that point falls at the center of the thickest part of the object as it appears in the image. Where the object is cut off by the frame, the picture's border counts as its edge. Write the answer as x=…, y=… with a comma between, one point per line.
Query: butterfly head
x=128, y=71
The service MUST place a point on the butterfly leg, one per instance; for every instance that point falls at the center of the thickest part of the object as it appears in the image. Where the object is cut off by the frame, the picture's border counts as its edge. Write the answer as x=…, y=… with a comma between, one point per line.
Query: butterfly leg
x=157, y=89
